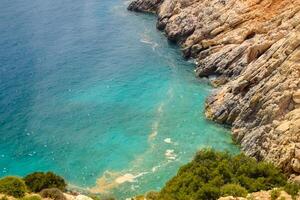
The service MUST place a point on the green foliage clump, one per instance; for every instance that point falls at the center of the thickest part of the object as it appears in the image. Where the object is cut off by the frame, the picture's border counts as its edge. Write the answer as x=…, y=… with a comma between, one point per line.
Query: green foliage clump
x=12, y=186
x=53, y=193
x=275, y=193
x=152, y=195
x=38, y=181
x=234, y=190
x=208, y=175
x=208, y=192
x=292, y=189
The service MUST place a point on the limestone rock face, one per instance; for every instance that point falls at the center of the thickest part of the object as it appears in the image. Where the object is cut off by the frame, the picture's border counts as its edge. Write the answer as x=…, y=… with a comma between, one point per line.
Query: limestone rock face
x=144, y=5
x=253, y=48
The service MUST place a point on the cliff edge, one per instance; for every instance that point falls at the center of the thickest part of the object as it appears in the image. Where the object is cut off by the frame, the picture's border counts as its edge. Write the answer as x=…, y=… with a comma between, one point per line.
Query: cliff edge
x=252, y=48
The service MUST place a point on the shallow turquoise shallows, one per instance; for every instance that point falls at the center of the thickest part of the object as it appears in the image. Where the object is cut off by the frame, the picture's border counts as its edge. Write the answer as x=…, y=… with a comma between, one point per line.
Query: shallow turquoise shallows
x=98, y=95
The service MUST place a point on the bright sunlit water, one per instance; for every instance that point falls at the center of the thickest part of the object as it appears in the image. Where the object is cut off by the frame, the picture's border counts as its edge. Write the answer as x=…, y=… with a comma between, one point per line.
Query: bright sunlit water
x=97, y=94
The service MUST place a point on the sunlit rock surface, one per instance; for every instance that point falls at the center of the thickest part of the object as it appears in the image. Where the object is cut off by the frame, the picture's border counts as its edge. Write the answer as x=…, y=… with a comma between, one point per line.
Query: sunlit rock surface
x=252, y=47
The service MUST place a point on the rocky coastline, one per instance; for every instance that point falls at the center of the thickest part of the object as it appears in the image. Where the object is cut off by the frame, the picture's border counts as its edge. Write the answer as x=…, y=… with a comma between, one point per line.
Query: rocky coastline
x=252, y=47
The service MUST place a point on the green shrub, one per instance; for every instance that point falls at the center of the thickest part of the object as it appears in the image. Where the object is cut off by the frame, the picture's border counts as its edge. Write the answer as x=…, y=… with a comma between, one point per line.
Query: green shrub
x=208, y=192
x=211, y=174
x=275, y=193
x=39, y=180
x=292, y=189
x=12, y=186
x=32, y=197
x=152, y=195
x=53, y=193
x=233, y=190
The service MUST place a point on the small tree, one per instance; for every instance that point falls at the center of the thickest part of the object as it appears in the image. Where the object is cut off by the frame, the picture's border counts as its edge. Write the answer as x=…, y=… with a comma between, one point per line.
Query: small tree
x=12, y=186
x=38, y=181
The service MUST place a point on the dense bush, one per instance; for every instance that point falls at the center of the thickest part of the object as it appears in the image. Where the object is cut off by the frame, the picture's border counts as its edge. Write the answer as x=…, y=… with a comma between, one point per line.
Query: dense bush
x=53, y=193
x=208, y=192
x=209, y=174
x=39, y=180
x=233, y=190
x=12, y=186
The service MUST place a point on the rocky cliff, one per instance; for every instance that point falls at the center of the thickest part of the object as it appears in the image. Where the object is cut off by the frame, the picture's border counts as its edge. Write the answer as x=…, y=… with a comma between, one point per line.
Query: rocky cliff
x=252, y=49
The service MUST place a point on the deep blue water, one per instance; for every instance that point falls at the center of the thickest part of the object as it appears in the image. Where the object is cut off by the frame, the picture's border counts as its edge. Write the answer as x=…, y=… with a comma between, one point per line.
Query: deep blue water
x=96, y=93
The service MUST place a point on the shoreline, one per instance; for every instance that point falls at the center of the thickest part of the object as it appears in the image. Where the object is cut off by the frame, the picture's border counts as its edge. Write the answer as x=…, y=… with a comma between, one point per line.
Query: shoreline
x=241, y=54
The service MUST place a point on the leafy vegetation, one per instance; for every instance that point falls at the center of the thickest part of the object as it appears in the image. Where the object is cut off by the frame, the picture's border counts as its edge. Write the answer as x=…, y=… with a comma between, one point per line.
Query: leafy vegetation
x=234, y=190
x=38, y=181
x=275, y=193
x=292, y=189
x=212, y=174
x=12, y=186
x=152, y=195
x=53, y=193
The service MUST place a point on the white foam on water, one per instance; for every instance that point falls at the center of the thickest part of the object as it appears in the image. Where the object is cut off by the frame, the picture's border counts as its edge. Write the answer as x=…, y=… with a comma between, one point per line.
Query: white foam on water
x=147, y=40
x=128, y=178
x=168, y=140
x=170, y=155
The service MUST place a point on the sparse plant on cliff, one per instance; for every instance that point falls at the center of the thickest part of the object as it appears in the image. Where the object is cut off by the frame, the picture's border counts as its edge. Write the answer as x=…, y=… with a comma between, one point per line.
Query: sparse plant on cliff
x=53, y=193
x=39, y=180
x=94, y=197
x=212, y=174
x=12, y=186
x=275, y=193
x=152, y=195
x=292, y=189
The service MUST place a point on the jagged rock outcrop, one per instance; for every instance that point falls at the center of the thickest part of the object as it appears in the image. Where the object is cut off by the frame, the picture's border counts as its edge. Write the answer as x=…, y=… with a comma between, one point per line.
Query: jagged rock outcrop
x=252, y=47
x=144, y=5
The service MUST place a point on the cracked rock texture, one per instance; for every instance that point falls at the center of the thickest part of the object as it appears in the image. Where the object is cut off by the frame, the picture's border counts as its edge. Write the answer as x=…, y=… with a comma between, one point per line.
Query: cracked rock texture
x=252, y=48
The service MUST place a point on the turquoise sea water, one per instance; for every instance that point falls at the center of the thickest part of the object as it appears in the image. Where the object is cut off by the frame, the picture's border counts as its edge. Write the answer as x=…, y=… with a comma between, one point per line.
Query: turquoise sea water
x=98, y=95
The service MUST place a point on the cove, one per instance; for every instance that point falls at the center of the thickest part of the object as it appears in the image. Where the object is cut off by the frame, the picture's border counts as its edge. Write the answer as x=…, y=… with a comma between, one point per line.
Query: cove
x=96, y=94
